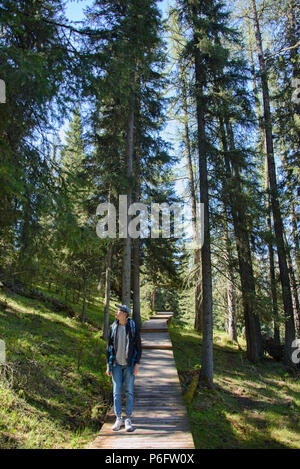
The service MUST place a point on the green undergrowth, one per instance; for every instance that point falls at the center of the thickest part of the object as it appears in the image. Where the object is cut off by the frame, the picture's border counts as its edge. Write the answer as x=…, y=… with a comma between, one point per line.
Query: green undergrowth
x=252, y=406
x=54, y=391
x=94, y=307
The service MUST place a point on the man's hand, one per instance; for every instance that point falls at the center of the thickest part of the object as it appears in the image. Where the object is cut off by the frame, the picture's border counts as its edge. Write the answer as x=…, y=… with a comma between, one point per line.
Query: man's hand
x=135, y=369
x=107, y=371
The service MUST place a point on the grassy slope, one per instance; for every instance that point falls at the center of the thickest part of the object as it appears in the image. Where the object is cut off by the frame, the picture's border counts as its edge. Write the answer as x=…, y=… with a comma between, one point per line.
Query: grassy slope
x=253, y=406
x=59, y=391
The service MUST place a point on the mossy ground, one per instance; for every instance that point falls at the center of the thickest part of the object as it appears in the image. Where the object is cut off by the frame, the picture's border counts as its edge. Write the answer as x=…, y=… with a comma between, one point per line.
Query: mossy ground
x=252, y=406
x=54, y=391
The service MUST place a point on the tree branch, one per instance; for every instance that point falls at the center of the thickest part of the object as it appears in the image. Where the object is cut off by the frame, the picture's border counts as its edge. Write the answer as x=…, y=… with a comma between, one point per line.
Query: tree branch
x=284, y=50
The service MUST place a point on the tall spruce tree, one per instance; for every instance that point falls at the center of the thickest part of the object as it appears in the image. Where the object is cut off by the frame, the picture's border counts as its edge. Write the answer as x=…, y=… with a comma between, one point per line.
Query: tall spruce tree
x=34, y=73
x=128, y=112
x=182, y=100
x=214, y=74
x=205, y=20
x=278, y=225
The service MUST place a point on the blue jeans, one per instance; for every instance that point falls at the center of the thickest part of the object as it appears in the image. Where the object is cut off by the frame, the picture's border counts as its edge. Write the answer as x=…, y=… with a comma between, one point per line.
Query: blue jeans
x=120, y=375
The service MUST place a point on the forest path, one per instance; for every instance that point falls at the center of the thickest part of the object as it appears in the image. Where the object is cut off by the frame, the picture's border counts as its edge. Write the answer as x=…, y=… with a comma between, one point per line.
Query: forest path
x=160, y=418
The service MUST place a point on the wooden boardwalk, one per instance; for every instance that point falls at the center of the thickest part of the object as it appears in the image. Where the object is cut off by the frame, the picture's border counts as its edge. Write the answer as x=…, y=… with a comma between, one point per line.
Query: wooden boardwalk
x=159, y=418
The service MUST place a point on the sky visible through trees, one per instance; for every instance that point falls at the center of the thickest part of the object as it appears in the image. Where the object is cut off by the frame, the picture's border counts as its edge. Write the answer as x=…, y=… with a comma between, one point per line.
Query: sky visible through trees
x=154, y=106
x=75, y=12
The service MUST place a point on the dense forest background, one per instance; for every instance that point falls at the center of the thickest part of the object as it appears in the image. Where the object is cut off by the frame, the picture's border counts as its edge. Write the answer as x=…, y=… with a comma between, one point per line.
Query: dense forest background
x=188, y=102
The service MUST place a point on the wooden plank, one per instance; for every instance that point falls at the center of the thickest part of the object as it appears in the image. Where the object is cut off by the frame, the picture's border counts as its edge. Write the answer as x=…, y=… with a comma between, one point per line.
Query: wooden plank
x=165, y=313
x=162, y=315
x=155, y=325
x=157, y=336
x=159, y=318
x=141, y=424
x=156, y=341
x=177, y=442
x=155, y=320
x=158, y=347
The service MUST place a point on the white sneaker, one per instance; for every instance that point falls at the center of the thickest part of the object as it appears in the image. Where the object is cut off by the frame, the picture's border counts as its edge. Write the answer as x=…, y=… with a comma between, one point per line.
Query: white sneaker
x=118, y=424
x=128, y=425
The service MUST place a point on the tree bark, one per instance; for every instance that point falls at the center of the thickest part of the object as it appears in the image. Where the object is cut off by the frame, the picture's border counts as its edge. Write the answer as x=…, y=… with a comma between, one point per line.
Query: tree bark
x=207, y=341
x=252, y=323
x=278, y=226
x=267, y=203
x=126, y=273
x=231, y=327
x=293, y=270
x=297, y=263
x=136, y=242
x=83, y=316
x=107, y=291
x=293, y=289
x=136, y=283
x=198, y=323
x=296, y=250
x=153, y=297
x=272, y=264
x=231, y=299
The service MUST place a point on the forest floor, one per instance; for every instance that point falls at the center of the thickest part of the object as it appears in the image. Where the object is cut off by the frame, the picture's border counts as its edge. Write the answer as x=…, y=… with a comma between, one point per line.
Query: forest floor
x=252, y=406
x=54, y=392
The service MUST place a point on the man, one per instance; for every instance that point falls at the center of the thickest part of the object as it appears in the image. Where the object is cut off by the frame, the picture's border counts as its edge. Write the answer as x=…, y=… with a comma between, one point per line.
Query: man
x=123, y=357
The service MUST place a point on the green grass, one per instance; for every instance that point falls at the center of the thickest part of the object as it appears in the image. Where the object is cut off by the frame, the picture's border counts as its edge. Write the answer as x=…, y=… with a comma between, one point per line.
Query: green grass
x=252, y=406
x=94, y=308
x=55, y=392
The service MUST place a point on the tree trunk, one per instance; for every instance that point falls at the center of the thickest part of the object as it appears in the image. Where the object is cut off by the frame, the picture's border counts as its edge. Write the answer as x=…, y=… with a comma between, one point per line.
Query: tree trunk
x=294, y=290
x=231, y=299
x=297, y=263
x=296, y=250
x=136, y=283
x=198, y=323
x=207, y=341
x=252, y=323
x=293, y=271
x=153, y=297
x=231, y=327
x=136, y=242
x=101, y=282
x=272, y=263
x=107, y=291
x=192, y=190
x=278, y=226
x=83, y=316
x=268, y=208
x=126, y=274
x=66, y=292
